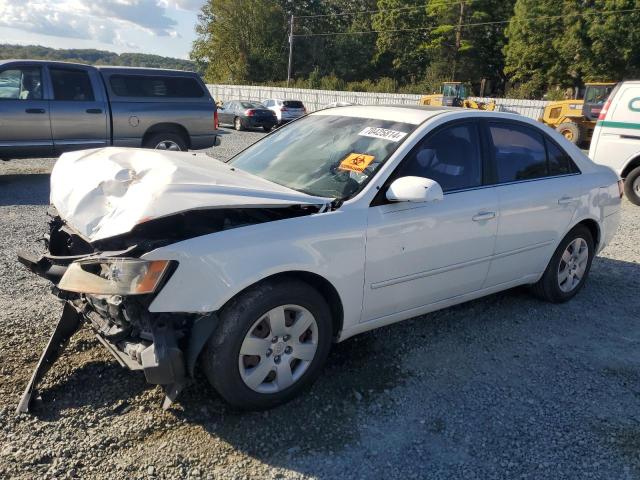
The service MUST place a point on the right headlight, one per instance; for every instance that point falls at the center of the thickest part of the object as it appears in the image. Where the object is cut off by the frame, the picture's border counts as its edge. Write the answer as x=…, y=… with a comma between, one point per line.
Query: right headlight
x=114, y=276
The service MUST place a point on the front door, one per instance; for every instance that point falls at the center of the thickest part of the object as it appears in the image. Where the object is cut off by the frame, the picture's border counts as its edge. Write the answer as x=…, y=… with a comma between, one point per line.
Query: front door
x=78, y=109
x=420, y=254
x=25, y=130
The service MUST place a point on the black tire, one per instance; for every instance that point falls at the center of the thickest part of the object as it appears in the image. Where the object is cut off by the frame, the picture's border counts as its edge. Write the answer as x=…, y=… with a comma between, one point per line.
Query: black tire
x=572, y=132
x=632, y=186
x=168, y=138
x=221, y=355
x=267, y=128
x=548, y=287
x=237, y=124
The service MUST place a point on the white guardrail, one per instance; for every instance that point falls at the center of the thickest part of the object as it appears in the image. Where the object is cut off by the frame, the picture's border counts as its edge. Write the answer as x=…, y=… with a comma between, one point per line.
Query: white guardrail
x=316, y=99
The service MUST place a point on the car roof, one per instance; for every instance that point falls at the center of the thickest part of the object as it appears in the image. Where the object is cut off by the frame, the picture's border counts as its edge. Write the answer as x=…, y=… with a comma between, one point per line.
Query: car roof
x=106, y=68
x=413, y=114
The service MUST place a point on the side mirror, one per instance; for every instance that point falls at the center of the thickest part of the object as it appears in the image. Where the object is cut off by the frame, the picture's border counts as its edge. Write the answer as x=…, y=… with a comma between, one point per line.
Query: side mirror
x=414, y=189
x=217, y=141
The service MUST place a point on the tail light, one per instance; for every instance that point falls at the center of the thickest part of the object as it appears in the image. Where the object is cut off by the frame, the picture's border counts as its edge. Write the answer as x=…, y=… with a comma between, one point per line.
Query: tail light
x=215, y=120
x=250, y=113
x=621, y=188
x=605, y=109
x=284, y=109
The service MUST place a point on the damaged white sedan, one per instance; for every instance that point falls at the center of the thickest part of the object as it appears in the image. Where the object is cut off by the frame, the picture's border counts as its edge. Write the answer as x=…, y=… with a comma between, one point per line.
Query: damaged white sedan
x=341, y=222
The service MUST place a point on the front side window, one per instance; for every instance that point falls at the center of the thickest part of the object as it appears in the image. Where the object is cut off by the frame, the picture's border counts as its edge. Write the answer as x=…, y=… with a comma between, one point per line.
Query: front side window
x=71, y=85
x=451, y=157
x=22, y=83
x=519, y=152
x=324, y=155
x=155, y=86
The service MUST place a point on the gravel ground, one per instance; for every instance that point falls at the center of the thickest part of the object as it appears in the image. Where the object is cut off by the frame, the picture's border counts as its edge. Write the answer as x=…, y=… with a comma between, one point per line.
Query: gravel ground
x=503, y=387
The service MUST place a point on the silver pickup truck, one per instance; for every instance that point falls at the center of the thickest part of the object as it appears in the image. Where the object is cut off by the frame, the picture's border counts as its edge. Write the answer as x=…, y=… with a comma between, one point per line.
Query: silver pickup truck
x=47, y=108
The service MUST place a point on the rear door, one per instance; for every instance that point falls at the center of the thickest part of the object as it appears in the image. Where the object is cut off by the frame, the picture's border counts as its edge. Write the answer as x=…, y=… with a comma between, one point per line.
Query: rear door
x=25, y=130
x=225, y=113
x=537, y=195
x=78, y=109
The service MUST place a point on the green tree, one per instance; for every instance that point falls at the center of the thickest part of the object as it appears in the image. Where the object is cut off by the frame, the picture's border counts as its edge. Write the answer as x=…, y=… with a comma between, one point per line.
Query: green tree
x=531, y=58
x=241, y=41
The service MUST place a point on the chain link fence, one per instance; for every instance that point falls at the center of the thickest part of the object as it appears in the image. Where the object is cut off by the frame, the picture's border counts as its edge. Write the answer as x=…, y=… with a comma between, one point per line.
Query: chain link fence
x=316, y=99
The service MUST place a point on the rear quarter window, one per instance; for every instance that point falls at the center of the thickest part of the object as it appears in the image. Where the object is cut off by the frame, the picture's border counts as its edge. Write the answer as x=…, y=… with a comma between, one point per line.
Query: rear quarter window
x=155, y=86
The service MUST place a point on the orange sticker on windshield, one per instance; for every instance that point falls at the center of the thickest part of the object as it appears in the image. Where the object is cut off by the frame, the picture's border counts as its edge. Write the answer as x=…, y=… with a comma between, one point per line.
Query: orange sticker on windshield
x=356, y=162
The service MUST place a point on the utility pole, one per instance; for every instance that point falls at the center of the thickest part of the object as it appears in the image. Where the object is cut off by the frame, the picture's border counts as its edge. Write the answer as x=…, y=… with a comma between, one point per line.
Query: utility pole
x=290, y=49
x=458, y=39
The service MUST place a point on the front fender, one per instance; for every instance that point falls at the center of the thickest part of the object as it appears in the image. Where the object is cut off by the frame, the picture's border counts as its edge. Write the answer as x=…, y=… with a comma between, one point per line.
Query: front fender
x=214, y=268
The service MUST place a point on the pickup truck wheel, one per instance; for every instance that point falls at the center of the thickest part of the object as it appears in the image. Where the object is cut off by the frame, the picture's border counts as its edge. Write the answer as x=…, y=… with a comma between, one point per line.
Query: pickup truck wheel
x=271, y=344
x=568, y=268
x=237, y=124
x=166, y=141
x=632, y=186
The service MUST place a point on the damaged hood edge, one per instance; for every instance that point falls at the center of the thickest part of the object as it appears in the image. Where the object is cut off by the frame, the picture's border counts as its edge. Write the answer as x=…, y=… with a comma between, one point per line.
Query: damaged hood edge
x=106, y=192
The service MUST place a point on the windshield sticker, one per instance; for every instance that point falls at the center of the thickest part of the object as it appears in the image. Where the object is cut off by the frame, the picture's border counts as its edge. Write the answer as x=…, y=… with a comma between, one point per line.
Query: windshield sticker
x=385, y=134
x=356, y=162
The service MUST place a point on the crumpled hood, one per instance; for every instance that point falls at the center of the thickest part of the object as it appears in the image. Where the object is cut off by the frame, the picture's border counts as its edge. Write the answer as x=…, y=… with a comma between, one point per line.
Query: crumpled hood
x=105, y=192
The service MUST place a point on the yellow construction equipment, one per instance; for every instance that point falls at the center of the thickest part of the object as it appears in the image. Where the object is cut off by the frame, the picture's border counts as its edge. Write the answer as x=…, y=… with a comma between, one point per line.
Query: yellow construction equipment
x=576, y=119
x=455, y=94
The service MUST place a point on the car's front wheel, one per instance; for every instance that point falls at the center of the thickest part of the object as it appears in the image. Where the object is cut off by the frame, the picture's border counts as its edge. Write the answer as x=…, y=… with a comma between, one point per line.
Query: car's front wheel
x=568, y=268
x=271, y=344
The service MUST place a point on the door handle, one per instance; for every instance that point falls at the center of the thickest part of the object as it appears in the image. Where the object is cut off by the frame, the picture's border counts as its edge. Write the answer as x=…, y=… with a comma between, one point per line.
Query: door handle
x=566, y=200
x=94, y=110
x=483, y=216
x=35, y=110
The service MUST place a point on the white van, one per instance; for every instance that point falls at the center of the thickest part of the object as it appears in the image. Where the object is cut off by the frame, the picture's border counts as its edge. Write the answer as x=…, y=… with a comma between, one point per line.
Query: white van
x=616, y=138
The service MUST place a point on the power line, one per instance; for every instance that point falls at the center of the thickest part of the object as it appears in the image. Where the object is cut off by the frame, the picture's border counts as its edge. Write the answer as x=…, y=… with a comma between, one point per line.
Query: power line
x=415, y=7
x=499, y=22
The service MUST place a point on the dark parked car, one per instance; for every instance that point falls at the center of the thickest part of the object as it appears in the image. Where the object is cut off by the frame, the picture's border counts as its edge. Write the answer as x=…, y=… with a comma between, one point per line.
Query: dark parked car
x=47, y=108
x=247, y=114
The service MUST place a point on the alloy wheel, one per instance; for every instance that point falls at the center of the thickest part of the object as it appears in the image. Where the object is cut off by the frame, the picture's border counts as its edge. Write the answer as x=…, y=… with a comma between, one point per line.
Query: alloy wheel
x=573, y=264
x=168, y=145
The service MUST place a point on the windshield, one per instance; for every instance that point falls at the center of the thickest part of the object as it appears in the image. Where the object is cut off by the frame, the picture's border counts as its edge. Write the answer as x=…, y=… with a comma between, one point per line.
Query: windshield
x=324, y=155
x=598, y=94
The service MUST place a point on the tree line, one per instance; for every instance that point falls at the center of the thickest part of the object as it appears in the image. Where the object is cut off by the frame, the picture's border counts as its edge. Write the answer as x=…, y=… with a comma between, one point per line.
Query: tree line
x=94, y=57
x=518, y=48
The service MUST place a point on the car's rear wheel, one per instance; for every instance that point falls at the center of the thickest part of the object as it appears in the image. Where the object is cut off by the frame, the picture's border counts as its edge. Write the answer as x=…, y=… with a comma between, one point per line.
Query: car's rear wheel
x=237, y=124
x=166, y=141
x=271, y=344
x=568, y=268
x=632, y=186
x=267, y=128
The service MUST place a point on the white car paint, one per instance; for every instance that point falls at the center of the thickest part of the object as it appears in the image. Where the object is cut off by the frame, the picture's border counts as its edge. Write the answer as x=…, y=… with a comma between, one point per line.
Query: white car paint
x=106, y=192
x=616, y=138
x=283, y=113
x=394, y=261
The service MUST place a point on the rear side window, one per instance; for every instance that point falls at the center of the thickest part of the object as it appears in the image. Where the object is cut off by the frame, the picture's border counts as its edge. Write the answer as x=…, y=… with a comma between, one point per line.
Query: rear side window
x=451, y=157
x=519, y=152
x=559, y=161
x=71, y=85
x=293, y=104
x=155, y=86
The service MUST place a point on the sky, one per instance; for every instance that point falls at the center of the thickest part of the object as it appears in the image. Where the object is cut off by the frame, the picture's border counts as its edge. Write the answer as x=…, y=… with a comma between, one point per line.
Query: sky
x=161, y=27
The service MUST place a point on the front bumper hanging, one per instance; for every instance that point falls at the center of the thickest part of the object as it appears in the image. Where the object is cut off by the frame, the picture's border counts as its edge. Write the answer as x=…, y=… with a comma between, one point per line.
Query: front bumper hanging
x=68, y=324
